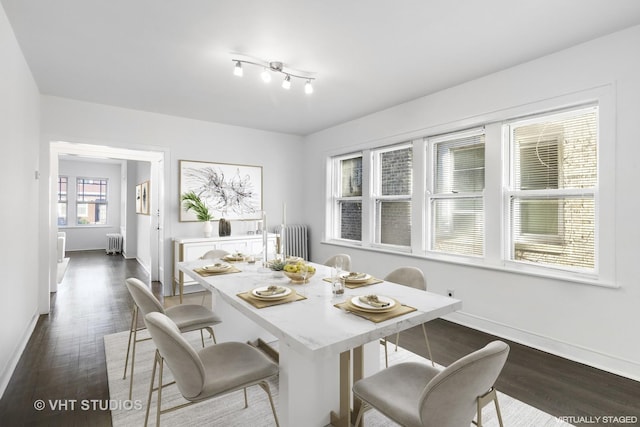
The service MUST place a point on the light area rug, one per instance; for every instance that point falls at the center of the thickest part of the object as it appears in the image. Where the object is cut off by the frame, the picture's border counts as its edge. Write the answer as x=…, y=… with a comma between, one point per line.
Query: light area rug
x=229, y=410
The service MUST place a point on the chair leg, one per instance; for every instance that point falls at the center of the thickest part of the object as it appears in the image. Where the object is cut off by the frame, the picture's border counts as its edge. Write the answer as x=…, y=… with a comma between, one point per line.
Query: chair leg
x=484, y=400
x=246, y=401
x=363, y=408
x=133, y=350
x=426, y=340
x=126, y=360
x=202, y=338
x=159, y=410
x=153, y=378
x=495, y=400
x=213, y=336
x=265, y=387
x=386, y=354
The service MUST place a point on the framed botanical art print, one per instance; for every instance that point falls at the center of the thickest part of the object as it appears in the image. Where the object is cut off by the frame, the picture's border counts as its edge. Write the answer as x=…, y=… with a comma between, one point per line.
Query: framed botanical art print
x=144, y=198
x=230, y=191
x=139, y=198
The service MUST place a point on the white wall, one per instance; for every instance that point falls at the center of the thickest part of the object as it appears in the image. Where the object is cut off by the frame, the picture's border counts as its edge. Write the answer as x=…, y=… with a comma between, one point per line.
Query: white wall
x=19, y=253
x=592, y=324
x=182, y=139
x=81, y=238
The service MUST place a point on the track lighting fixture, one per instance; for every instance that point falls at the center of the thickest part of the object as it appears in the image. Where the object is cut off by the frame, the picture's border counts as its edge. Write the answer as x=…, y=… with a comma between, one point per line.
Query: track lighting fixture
x=275, y=67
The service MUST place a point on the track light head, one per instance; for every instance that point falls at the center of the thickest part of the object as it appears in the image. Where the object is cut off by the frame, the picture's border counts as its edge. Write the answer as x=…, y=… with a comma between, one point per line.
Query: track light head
x=238, y=69
x=266, y=76
x=286, y=83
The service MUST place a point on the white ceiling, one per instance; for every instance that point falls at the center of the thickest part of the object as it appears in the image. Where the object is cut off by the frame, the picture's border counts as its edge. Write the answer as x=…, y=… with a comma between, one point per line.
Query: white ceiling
x=174, y=57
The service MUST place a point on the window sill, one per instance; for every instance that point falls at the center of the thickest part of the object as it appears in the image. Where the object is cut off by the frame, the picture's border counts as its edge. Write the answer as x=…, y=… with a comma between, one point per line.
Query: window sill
x=506, y=267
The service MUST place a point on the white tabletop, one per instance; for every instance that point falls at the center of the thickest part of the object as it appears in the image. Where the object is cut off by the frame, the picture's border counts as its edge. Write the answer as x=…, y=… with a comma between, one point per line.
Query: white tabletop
x=314, y=327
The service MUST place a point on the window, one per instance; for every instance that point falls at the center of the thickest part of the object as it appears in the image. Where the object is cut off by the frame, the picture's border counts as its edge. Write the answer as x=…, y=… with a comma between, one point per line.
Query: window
x=348, y=200
x=525, y=190
x=63, y=184
x=456, y=198
x=551, y=194
x=393, y=173
x=91, y=201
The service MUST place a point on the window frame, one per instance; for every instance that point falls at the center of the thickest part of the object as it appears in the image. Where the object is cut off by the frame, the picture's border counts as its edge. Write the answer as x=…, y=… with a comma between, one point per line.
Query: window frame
x=81, y=202
x=555, y=243
x=338, y=199
x=496, y=175
x=377, y=198
x=64, y=202
x=434, y=195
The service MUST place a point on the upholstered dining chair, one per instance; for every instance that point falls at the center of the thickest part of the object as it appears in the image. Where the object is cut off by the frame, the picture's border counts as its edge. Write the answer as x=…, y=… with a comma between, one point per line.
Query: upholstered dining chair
x=188, y=317
x=344, y=258
x=214, y=254
x=412, y=277
x=205, y=374
x=418, y=395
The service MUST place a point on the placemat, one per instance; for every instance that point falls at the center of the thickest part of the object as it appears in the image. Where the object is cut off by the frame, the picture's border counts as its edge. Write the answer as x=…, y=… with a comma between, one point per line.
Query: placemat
x=203, y=272
x=352, y=285
x=258, y=303
x=399, y=310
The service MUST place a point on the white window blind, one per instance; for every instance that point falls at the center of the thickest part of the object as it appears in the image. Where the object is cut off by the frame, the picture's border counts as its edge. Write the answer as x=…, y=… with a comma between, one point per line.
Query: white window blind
x=551, y=196
x=456, y=203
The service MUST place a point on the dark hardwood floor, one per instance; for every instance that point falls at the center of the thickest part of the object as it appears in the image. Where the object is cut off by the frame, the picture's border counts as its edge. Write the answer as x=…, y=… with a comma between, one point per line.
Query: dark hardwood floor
x=65, y=361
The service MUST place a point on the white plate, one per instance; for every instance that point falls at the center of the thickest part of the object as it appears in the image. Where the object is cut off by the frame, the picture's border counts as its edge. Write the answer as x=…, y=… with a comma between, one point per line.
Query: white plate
x=363, y=305
x=356, y=278
x=255, y=293
x=217, y=268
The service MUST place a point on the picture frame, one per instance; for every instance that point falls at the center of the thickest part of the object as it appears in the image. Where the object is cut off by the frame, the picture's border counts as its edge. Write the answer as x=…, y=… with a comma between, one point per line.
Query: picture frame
x=138, y=198
x=231, y=191
x=145, y=198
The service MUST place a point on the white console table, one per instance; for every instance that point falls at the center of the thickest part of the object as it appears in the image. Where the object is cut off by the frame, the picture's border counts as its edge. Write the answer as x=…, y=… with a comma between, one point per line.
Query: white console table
x=190, y=249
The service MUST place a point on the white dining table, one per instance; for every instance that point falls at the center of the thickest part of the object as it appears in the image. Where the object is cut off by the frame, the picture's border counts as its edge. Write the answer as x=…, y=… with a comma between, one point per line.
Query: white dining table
x=322, y=349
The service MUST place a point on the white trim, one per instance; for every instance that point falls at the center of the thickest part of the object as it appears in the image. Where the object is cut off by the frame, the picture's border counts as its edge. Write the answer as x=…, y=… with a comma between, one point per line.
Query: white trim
x=17, y=354
x=469, y=261
x=577, y=353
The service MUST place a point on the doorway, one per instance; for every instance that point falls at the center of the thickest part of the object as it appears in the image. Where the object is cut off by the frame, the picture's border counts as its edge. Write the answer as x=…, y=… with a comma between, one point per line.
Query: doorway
x=151, y=240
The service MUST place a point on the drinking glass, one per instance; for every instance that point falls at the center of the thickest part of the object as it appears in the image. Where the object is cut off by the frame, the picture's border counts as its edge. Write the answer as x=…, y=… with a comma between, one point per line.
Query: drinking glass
x=304, y=272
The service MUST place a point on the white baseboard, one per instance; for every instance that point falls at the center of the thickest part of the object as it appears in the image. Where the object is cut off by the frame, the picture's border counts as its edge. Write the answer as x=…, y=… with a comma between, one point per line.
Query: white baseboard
x=144, y=267
x=7, y=373
x=606, y=362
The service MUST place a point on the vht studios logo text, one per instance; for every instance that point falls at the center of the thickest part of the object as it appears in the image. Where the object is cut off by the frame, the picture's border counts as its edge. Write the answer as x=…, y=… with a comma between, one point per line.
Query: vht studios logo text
x=86, y=404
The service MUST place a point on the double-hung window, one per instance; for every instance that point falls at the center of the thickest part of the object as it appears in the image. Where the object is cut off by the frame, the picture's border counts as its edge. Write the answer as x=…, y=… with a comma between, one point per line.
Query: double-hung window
x=551, y=196
x=393, y=177
x=91, y=201
x=348, y=197
x=455, y=199
x=63, y=186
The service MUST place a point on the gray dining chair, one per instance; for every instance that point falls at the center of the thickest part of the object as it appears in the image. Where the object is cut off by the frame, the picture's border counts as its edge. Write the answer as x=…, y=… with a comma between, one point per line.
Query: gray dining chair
x=214, y=254
x=213, y=371
x=188, y=317
x=418, y=395
x=414, y=278
x=345, y=259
